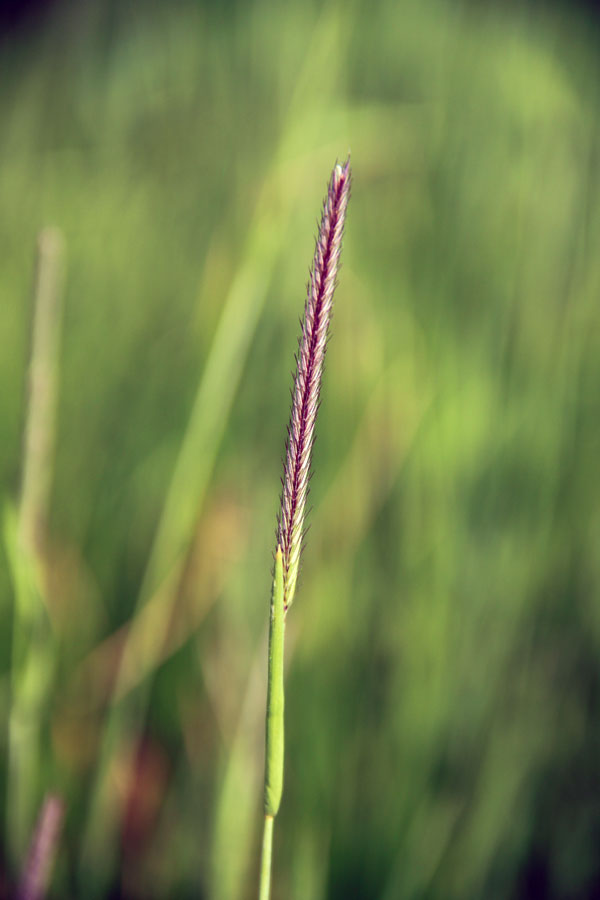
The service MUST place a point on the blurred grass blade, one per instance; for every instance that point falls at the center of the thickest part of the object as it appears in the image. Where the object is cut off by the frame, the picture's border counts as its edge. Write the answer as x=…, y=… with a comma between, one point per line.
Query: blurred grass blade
x=40, y=422
x=33, y=647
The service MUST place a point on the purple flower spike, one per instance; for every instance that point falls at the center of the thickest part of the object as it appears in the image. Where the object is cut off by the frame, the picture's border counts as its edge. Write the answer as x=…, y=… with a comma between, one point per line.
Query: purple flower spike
x=309, y=371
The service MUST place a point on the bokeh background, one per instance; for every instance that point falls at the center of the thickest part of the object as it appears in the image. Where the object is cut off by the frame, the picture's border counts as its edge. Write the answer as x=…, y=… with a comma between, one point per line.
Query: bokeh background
x=443, y=681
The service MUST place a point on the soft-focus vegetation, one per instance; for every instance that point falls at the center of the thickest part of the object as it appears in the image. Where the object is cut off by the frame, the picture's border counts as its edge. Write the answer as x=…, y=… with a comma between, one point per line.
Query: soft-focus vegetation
x=443, y=682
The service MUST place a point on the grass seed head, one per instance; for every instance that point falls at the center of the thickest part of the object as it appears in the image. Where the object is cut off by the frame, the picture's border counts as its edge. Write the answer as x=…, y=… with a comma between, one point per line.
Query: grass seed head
x=309, y=371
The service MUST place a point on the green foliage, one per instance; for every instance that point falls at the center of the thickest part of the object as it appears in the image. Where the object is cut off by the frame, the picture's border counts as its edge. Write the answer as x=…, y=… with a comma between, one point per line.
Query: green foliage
x=442, y=660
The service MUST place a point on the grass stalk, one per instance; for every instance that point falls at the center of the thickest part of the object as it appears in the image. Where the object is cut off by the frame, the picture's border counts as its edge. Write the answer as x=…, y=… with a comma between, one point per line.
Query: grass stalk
x=265, y=861
x=290, y=531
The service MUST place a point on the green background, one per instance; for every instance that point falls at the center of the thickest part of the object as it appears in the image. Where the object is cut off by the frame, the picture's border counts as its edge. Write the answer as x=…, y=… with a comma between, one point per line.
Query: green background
x=443, y=674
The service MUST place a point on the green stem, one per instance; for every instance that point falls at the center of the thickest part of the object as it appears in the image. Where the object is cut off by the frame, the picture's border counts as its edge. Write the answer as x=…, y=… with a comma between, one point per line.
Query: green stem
x=265, y=863
x=274, y=738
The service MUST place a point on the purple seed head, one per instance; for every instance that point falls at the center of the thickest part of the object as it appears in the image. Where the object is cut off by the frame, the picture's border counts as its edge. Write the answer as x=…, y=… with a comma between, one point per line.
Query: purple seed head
x=309, y=370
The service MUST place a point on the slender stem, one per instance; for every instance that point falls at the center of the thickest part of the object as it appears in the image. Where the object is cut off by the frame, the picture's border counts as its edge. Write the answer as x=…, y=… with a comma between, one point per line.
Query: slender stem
x=265, y=863
x=274, y=737
x=274, y=741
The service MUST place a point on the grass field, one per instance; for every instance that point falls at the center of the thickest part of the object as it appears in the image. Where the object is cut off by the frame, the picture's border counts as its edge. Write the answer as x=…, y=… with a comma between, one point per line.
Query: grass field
x=443, y=674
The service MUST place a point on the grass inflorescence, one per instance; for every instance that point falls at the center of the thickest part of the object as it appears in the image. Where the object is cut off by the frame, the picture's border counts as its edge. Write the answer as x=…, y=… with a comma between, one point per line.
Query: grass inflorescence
x=296, y=475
